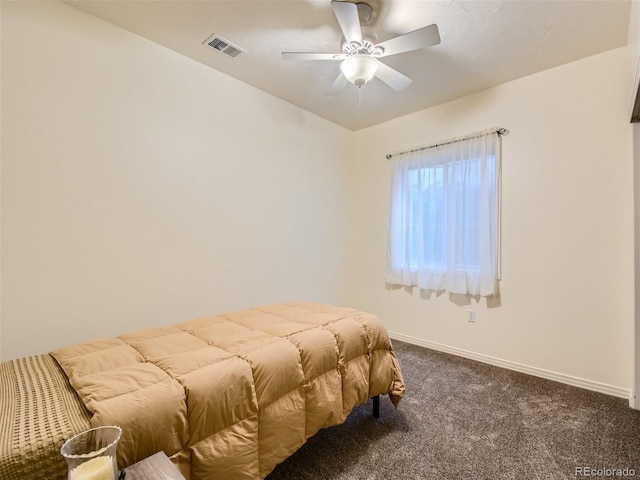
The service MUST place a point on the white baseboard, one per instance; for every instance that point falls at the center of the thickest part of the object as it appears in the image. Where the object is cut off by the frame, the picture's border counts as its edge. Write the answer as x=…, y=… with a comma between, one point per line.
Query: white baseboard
x=518, y=367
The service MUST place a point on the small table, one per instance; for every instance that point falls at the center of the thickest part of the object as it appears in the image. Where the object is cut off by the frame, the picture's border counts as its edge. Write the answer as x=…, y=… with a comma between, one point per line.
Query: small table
x=156, y=467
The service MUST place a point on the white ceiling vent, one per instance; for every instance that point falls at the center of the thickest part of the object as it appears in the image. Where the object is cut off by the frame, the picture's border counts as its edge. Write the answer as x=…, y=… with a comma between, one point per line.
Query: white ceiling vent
x=223, y=46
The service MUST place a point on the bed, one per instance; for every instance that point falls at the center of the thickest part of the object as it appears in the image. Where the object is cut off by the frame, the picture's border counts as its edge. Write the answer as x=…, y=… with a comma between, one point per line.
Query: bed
x=225, y=397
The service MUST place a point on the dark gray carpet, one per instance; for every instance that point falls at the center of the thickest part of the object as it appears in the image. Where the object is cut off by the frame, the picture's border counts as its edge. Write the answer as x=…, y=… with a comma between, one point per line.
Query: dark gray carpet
x=462, y=419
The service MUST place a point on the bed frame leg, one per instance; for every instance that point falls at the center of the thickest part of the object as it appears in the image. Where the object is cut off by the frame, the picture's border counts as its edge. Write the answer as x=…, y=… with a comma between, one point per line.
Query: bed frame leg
x=376, y=406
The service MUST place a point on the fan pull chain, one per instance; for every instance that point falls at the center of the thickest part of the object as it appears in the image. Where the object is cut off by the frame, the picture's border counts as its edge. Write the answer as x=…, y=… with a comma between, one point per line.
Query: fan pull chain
x=359, y=97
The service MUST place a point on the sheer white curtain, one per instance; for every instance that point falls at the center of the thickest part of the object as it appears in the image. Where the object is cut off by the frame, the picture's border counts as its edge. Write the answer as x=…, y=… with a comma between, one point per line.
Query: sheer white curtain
x=443, y=224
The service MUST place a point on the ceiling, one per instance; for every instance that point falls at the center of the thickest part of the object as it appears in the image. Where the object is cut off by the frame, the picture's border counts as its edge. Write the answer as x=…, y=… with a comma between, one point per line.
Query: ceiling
x=483, y=44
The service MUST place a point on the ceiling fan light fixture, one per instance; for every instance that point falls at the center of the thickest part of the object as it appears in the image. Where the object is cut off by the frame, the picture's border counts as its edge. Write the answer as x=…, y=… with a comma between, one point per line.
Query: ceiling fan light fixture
x=359, y=69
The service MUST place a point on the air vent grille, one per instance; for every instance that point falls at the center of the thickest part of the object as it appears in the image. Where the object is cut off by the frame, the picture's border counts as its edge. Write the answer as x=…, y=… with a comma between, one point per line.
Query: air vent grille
x=225, y=47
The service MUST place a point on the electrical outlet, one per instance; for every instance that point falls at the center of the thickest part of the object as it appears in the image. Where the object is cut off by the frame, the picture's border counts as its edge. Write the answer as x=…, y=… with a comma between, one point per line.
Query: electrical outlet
x=471, y=316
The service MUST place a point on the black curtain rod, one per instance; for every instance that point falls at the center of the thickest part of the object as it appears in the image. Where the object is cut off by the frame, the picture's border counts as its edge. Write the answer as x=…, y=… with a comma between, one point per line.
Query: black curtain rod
x=500, y=131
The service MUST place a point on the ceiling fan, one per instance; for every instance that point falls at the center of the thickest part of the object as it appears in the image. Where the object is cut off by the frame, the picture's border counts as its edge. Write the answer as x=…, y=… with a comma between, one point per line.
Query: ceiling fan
x=360, y=52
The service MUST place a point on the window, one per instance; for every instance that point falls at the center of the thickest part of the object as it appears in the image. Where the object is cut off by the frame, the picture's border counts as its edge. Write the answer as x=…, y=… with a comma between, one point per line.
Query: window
x=443, y=225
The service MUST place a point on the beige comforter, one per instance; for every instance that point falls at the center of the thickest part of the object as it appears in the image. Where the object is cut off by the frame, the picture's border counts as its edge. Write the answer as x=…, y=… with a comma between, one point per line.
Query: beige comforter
x=231, y=396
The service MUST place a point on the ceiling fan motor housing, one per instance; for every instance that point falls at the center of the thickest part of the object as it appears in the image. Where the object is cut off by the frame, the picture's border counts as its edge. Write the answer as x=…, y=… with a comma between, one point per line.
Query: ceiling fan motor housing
x=367, y=47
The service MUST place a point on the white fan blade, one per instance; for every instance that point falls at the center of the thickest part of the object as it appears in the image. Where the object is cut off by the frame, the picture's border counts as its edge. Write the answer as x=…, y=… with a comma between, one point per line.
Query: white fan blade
x=311, y=56
x=347, y=15
x=423, y=37
x=392, y=77
x=338, y=85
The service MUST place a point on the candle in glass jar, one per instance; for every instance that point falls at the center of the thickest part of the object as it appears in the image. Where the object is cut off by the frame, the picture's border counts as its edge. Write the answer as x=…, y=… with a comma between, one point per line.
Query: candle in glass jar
x=99, y=468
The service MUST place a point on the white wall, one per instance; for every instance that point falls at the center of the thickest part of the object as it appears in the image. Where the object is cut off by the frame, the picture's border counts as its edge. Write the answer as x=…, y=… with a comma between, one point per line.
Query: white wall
x=633, y=42
x=140, y=188
x=567, y=289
